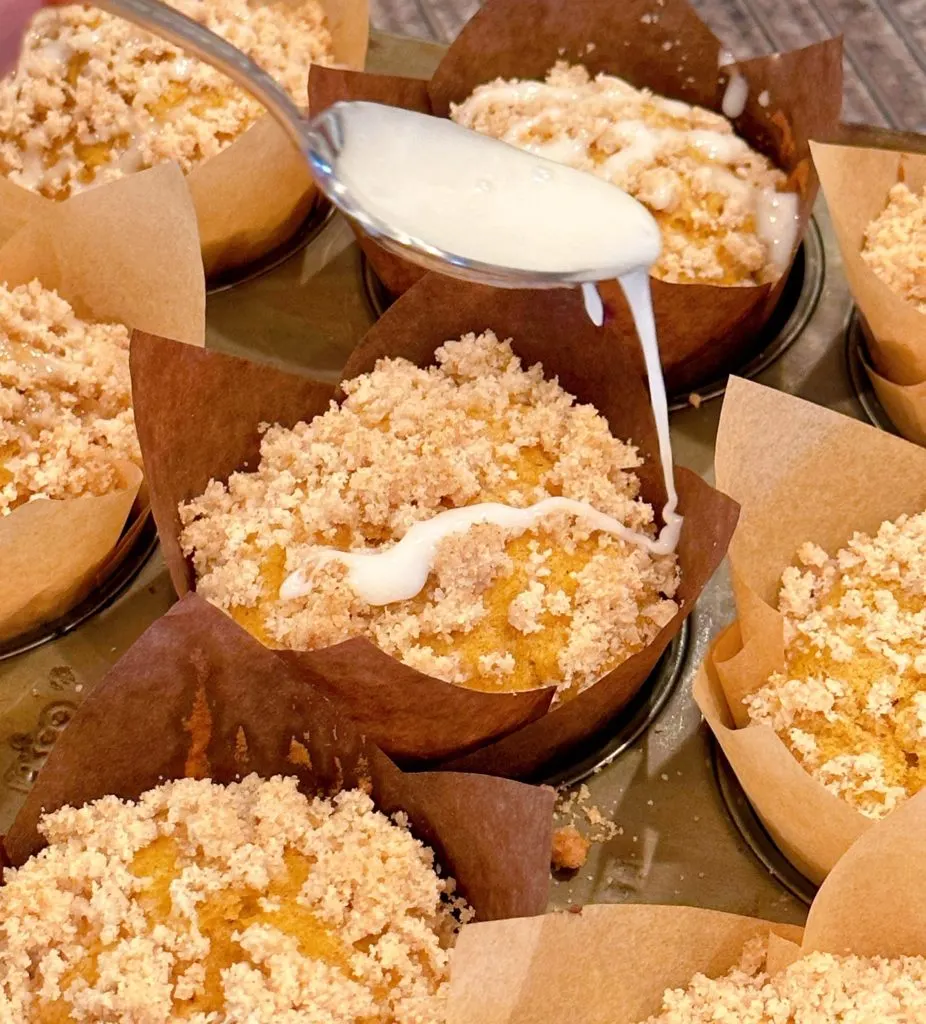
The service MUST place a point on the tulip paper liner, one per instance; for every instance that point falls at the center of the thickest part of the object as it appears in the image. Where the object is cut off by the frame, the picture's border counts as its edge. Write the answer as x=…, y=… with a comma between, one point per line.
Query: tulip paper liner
x=197, y=697
x=126, y=252
x=703, y=329
x=856, y=181
x=612, y=964
x=253, y=195
x=198, y=414
x=800, y=473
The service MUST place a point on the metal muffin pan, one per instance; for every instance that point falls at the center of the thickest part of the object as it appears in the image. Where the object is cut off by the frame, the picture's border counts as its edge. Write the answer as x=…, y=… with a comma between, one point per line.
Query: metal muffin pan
x=654, y=772
x=795, y=308
x=856, y=360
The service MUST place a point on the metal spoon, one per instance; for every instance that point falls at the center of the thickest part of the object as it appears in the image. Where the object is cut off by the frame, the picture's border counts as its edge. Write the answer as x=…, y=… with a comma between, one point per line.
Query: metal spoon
x=543, y=226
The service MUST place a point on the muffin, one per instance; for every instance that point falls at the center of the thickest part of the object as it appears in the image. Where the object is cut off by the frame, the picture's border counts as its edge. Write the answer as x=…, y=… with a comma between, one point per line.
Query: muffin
x=208, y=902
x=65, y=400
x=94, y=98
x=818, y=988
x=724, y=211
x=851, y=701
x=560, y=603
x=894, y=245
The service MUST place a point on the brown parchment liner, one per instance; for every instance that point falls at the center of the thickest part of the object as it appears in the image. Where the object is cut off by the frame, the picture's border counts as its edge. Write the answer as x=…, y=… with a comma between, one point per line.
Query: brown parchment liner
x=611, y=964
x=800, y=473
x=256, y=192
x=198, y=413
x=197, y=696
x=126, y=252
x=856, y=181
x=702, y=328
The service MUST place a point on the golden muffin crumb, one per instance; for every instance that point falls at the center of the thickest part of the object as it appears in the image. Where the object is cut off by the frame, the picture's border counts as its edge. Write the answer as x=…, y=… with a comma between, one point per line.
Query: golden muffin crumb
x=817, y=989
x=851, y=704
x=570, y=849
x=209, y=903
x=895, y=245
x=94, y=97
x=65, y=400
x=722, y=208
x=502, y=609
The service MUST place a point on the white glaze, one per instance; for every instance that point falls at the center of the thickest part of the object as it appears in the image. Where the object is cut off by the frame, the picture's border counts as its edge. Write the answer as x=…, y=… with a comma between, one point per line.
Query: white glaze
x=481, y=200
x=398, y=573
x=594, y=307
x=735, y=96
x=777, y=221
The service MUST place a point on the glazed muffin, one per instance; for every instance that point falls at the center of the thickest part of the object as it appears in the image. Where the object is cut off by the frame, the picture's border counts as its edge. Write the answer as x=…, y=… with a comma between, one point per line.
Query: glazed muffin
x=214, y=903
x=94, y=98
x=894, y=246
x=851, y=702
x=65, y=400
x=724, y=210
x=558, y=603
x=819, y=988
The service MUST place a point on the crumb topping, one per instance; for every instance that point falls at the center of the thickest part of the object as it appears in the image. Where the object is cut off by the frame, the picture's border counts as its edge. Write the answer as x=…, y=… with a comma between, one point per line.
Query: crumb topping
x=502, y=609
x=93, y=97
x=709, y=191
x=820, y=988
x=895, y=245
x=65, y=400
x=208, y=903
x=851, y=703
x=570, y=849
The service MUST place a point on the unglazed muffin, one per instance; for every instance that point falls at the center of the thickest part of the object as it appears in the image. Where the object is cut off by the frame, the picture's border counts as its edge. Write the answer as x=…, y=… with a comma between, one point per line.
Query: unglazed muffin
x=851, y=702
x=94, y=98
x=560, y=603
x=214, y=904
x=724, y=210
x=819, y=988
x=894, y=246
x=65, y=400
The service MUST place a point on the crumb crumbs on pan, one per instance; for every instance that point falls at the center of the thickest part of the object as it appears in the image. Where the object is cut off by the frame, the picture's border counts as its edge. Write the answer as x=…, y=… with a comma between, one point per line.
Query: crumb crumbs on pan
x=851, y=702
x=65, y=400
x=247, y=902
x=570, y=849
x=819, y=988
x=503, y=609
x=700, y=181
x=94, y=97
x=894, y=246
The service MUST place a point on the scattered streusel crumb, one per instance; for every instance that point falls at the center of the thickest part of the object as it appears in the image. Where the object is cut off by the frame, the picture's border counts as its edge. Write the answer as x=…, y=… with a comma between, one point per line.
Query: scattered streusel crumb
x=209, y=903
x=93, y=97
x=723, y=209
x=65, y=400
x=502, y=609
x=570, y=849
x=851, y=703
x=817, y=989
x=895, y=244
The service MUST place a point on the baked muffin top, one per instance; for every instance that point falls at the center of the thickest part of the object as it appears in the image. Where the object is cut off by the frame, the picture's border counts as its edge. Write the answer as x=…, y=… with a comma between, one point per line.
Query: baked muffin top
x=895, y=244
x=560, y=603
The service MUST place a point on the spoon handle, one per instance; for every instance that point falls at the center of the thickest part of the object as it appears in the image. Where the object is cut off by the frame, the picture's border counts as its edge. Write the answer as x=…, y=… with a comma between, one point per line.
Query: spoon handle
x=160, y=20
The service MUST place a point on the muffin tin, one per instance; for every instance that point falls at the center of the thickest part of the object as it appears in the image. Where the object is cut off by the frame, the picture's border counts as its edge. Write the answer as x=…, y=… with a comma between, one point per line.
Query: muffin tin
x=686, y=835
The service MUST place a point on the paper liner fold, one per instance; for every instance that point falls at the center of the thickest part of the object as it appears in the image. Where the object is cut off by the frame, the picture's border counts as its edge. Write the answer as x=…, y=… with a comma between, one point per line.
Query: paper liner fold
x=611, y=964
x=800, y=473
x=703, y=329
x=198, y=415
x=126, y=252
x=196, y=696
x=856, y=181
x=258, y=190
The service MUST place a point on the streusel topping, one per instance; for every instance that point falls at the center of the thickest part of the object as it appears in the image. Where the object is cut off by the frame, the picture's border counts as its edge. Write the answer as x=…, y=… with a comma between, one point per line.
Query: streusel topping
x=851, y=703
x=93, y=97
x=502, y=609
x=722, y=208
x=212, y=904
x=817, y=989
x=65, y=400
x=895, y=244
